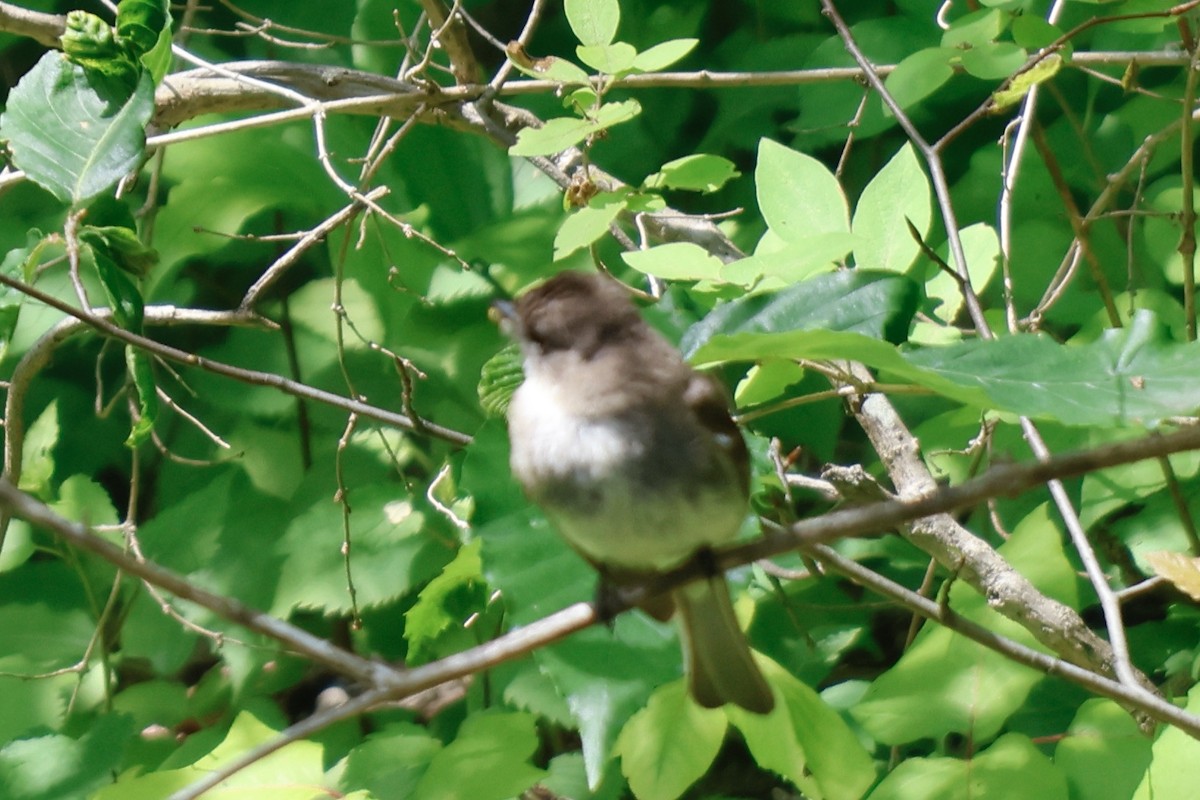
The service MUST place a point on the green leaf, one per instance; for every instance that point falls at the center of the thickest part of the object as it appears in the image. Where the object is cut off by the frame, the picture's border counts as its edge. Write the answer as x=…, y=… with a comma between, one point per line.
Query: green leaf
x=392, y=553
x=920, y=75
x=677, y=261
x=871, y=303
x=35, y=638
x=981, y=246
x=611, y=114
x=933, y=689
x=798, y=196
x=73, y=132
x=669, y=744
x=497, y=746
x=975, y=29
x=994, y=60
x=793, y=263
x=140, y=22
x=37, y=459
x=553, y=137
x=499, y=379
x=1103, y=754
x=1174, y=768
x=1131, y=376
x=607, y=675
x=899, y=194
x=93, y=44
x=445, y=601
x=1043, y=71
x=1011, y=767
x=390, y=762
x=588, y=224
x=58, y=767
x=594, y=22
x=805, y=740
x=696, y=173
x=661, y=56
x=610, y=59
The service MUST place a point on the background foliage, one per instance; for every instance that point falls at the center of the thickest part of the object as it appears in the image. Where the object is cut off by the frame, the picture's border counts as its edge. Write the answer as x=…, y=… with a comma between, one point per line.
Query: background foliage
x=350, y=476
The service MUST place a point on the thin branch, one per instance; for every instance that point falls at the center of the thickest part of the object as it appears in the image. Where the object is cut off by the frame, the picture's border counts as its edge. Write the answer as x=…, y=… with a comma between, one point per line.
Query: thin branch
x=101, y=324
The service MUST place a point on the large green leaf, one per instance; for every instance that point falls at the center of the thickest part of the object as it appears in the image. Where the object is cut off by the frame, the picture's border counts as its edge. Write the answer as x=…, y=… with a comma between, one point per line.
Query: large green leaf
x=874, y=304
x=74, y=131
x=1132, y=376
x=797, y=194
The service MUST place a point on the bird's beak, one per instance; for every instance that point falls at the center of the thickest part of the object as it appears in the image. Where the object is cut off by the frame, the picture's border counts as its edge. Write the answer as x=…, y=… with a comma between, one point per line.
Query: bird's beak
x=504, y=314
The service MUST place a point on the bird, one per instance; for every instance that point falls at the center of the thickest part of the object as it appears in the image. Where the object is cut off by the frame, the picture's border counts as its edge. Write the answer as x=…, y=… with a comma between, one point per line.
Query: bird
x=635, y=460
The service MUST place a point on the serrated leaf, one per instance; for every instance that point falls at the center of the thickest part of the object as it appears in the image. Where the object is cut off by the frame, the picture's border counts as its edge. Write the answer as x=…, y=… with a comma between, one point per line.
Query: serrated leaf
x=610, y=59
x=429, y=617
x=58, y=766
x=1043, y=71
x=669, y=744
x=74, y=132
x=797, y=194
x=696, y=173
x=663, y=55
x=677, y=261
x=899, y=194
x=498, y=380
x=594, y=22
x=393, y=553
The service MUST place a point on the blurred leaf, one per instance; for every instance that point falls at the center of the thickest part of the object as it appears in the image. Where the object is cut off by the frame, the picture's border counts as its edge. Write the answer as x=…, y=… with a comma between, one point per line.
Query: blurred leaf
x=446, y=601
x=932, y=689
x=981, y=246
x=497, y=746
x=669, y=744
x=58, y=767
x=677, y=261
x=37, y=460
x=975, y=29
x=1011, y=767
x=805, y=740
x=74, y=132
x=390, y=762
x=1103, y=754
x=794, y=263
x=1174, y=767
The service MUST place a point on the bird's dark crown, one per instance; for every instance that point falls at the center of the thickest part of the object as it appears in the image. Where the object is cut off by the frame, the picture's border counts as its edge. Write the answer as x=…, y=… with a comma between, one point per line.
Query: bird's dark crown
x=574, y=310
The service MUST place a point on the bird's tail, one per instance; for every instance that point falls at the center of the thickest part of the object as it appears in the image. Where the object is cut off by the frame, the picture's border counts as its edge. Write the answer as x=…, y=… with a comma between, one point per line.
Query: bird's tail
x=720, y=667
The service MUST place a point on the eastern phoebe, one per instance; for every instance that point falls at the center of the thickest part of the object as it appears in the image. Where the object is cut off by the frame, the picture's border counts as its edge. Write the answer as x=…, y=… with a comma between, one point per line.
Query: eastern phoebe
x=636, y=462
